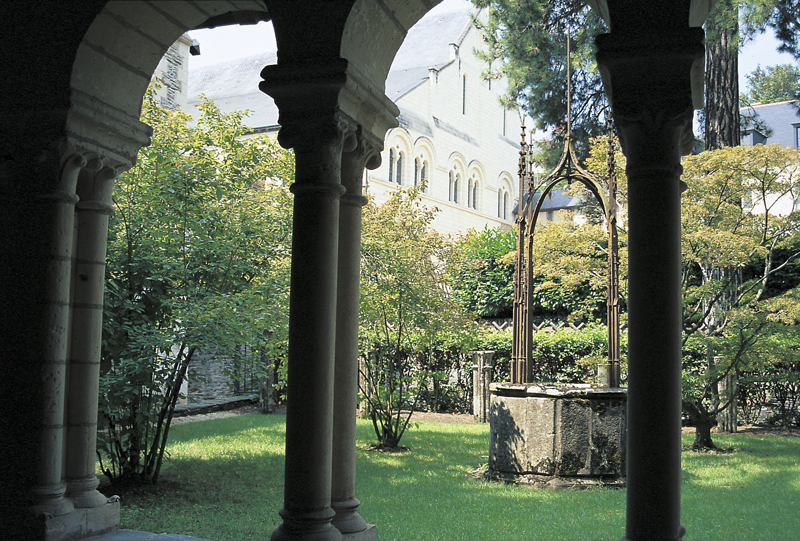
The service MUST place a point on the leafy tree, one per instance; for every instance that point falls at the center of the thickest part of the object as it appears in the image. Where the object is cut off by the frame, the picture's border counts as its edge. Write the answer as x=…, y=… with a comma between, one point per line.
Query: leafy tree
x=481, y=273
x=738, y=212
x=570, y=270
x=406, y=311
x=198, y=257
x=771, y=85
x=527, y=43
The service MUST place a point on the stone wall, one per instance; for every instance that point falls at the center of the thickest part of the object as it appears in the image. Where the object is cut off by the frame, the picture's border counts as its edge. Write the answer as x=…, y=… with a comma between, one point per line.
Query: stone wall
x=210, y=378
x=173, y=75
x=557, y=436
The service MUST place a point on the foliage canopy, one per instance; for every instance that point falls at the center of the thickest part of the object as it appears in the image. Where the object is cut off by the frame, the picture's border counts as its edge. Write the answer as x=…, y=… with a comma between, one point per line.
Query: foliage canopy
x=198, y=258
x=406, y=311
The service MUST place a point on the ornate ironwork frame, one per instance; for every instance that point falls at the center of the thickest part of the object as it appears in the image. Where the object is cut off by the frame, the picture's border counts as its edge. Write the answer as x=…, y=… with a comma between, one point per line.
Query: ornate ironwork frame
x=569, y=170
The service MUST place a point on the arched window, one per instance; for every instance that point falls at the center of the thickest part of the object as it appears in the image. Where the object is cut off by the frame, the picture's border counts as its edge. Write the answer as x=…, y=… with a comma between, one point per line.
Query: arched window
x=500, y=203
x=451, y=186
x=399, y=168
x=475, y=194
x=417, y=171
x=391, y=164
x=424, y=176
x=469, y=192
x=455, y=188
x=505, y=206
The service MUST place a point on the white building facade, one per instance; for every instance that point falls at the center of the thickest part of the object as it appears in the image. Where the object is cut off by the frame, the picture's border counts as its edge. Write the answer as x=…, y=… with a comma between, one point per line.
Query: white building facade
x=454, y=135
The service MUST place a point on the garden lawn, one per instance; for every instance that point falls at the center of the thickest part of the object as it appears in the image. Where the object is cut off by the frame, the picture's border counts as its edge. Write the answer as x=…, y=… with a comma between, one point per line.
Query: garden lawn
x=224, y=481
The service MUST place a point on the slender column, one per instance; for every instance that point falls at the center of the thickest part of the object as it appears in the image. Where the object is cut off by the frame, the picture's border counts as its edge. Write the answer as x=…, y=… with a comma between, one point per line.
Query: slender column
x=343, y=500
x=44, y=224
x=313, y=127
x=651, y=98
x=92, y=212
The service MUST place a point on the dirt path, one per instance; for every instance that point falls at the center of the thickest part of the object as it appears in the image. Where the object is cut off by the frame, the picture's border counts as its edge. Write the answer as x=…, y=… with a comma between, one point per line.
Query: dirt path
x=281, y=410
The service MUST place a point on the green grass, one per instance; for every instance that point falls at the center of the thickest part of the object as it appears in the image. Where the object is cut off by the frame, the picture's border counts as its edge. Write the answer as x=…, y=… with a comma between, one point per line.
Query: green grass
x=224, y=482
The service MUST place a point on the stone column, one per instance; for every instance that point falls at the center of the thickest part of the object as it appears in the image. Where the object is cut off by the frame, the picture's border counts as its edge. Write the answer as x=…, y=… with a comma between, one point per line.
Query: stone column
x=48, y=286
x=95, y=185
x=648, y=78
x=37, y=207
x=343, y=500
x=311, y=124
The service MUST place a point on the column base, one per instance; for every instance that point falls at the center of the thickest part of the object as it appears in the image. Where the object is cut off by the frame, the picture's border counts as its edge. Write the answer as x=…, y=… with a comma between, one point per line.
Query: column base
x=79, y=524
x=347, y=520
x=309, y=526
x=368, y=534
x=681, y=533
x=50, y=500
x=83, y=493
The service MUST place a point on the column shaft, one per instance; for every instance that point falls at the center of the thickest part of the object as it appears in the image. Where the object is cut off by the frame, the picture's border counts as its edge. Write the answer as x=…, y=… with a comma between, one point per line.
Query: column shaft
x=312, y=328
x=654, y=357
x=87, y=330
x=48, y=218
x=343, y=500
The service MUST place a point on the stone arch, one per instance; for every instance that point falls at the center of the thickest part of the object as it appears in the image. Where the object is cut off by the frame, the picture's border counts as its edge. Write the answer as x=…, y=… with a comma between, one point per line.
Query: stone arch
x=374, y=32
x=124, y=43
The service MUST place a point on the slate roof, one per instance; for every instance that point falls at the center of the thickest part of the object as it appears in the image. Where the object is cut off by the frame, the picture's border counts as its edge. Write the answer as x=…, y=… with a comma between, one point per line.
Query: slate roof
x=556, y=200
x=426, y=47
x=781, y=117
x=234, y=85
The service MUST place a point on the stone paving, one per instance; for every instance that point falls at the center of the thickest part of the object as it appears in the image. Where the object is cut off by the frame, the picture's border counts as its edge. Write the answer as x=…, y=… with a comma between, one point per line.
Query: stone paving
x=217, y=404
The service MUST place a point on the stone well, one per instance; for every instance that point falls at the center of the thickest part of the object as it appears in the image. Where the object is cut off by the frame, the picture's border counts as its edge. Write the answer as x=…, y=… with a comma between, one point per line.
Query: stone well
x=558, y=436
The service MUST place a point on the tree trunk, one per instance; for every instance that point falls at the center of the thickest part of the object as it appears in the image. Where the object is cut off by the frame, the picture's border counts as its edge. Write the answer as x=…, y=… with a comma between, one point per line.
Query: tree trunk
x=703, y=422
x=727, y=419
x=702, y=435
x=722, y=77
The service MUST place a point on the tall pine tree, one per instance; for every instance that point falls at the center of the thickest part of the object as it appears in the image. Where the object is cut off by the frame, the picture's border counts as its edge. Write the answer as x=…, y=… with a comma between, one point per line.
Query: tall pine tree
x=527, y=43
x=722, y=122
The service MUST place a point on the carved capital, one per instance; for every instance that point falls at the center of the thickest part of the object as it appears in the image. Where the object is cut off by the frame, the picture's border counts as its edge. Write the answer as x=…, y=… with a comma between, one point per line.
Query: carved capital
x=313, y=101
x=649, y=80
x=365, y=154
x=95, y=186
x=308, y=102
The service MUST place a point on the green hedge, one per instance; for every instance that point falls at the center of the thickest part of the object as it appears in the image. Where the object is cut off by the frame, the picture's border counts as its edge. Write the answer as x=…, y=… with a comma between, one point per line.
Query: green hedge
x=556, y=354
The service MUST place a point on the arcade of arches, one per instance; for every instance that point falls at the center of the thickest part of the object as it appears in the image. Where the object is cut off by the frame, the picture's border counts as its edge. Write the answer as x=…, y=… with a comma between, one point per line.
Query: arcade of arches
x=73, y=78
